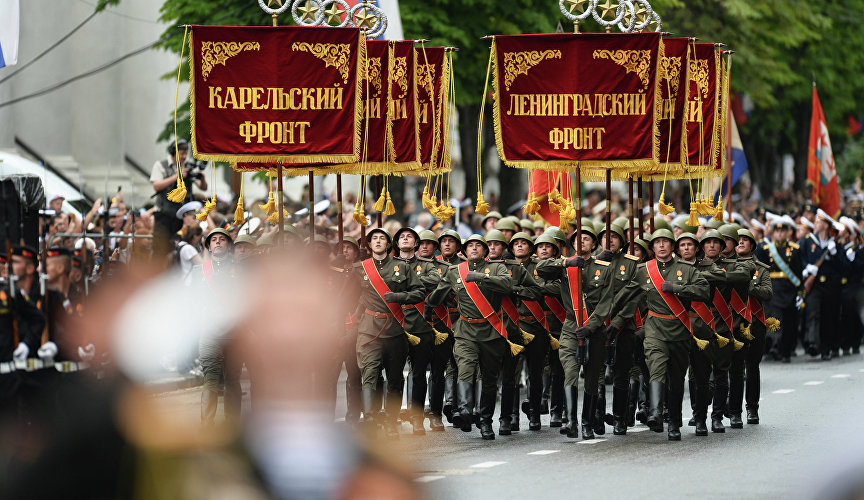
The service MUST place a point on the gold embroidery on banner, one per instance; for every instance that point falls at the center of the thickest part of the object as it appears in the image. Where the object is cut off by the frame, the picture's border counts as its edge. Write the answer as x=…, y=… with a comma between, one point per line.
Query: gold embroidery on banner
x=374, y=75
x=337, y=55
x=400, y=75
x=698, y=71
x=213, y=53
x=425, y=76
x=670, y=69
x=635, y=61
x=518, y=63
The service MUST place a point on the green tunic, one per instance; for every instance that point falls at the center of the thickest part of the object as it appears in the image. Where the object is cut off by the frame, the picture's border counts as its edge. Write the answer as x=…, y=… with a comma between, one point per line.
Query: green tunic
x=401, y=281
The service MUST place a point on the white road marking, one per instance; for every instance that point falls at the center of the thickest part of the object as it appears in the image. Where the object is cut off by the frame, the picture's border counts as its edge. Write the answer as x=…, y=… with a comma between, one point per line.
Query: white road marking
x=814, y=382
x=486, y=465
x=636, y=429
x=428, y=479
x=544, y=452
x=840, y=375
x=592, y=441
x=783, y=391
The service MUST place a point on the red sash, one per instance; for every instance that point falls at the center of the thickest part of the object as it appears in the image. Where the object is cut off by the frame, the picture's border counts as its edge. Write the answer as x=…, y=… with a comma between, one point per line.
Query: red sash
x=755, y=307
x=739, y=306
x=671, y=300
x=640, y=321
x=723, y=308
x=381, y=288
x=702, y=310
x=444, y=316
x=480, y=301
x=537, y=312
x=208, y=271
x=510, y=308
x=574, y=277
x=556, y=307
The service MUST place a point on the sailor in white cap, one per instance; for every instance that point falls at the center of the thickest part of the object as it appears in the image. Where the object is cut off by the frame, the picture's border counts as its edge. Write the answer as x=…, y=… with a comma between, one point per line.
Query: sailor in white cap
x=850, y=321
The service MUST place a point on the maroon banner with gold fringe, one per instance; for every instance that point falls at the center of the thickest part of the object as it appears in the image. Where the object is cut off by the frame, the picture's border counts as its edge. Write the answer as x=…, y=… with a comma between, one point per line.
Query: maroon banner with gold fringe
x=700, y=141
x=404, y=131
x=672, y=74
x=433, y=84
x=567, y=101
x=288, y=94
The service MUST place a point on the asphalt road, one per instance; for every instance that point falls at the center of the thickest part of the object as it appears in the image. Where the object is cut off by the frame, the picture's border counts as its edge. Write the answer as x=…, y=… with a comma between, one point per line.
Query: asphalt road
x=810, y=431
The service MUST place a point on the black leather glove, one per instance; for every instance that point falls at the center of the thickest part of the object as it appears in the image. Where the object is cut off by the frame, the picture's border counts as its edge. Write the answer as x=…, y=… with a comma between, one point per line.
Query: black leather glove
x=428, y=313
x=582, y=332
x=390, y=297
x=576, y=261
x=472, y=276
x=612, y=331
x=640, y=334
x=606, y=255
x=666, y=287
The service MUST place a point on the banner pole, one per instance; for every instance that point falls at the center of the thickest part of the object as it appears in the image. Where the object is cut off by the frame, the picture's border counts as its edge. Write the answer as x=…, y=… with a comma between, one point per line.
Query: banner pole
x=311, y=206
x=639, y=213
x=608, y=206
x=632, y=214
x=651, y=206
x=280, y=206
x=339, y=221
x=579, y=243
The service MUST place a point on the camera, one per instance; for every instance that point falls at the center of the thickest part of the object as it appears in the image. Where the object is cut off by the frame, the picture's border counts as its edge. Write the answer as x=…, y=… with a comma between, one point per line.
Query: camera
x=196, y=168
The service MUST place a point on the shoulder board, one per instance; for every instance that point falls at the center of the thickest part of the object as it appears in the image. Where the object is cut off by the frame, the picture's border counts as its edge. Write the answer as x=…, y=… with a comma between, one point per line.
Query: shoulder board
x=684, y=262
x=601, y=262
x=424, y=259
x=512, y=262
x=400, y=258
x=795, y=246
x=497, y=261
x=761, y=264
x=631, y=257
x=641, y=265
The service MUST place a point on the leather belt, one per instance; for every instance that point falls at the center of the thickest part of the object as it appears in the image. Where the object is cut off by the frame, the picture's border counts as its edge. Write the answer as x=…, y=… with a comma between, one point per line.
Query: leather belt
x=70, y=366
x=776, y=275
x=406, y=307
x=33, y=364
x=7, y=367
x=473, y=321
x=527, y=318
x=662, y=316
x=377, y=314
x=692, y=314
x=453, y=309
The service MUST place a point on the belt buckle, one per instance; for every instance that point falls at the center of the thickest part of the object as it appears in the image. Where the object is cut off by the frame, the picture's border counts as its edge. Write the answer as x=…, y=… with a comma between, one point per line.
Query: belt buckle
x=31, y=364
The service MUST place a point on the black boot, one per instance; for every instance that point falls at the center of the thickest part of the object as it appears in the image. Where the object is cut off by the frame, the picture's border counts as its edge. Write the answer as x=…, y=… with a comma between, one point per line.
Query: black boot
x=736, y=398
x=487, y=409
x=752, y=414
x=449, y=396
x=556, y=405
x=514, y=413
x=633, y=402
x=675, y=402
x=700, y=414
x=506, y=417
x=619, y=411
x=642, y=409
x=600, y=412
x=436, y=400
x=571, y=397
x=691, y=385
x=656, y=389
x=719, y=408
x=369, y=397
x=464, y=413
x=588, y=402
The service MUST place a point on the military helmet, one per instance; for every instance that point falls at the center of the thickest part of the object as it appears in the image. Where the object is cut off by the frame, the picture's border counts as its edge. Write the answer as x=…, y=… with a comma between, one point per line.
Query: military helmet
x=520, y=236
x=557, y=234
x=747, y=234
x=729, y=230
x=491, y=215
x=427, y=235
x=681, y=223
x=382, y=231
x=620, y=222
x=266, y=240
x=713, y=223
x=709, y=235
x=245, y=238
x=451, y=234
x=642, y=243
x=495, y=235
x=685, y=236
x=662, y=233
x=588, y=227
x=539, y=224
x=476, y=237
x=547, y=238
x=351, y=241
x=660, y=223
x=526, y=225
x=319, y=239
x=506, y=224
x=218, y=230
x=615, y=229
x=405, y=229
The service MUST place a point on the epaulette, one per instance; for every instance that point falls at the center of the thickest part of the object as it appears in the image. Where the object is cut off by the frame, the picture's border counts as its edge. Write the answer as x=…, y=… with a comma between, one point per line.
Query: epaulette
x=631, y=257
x=602, y=262
x=496, y=261
x=761, y=264
x=400, y=258
x=681, y=261
x=794, y=246
x=641, y=265
x=424, y=259
x=512, y=262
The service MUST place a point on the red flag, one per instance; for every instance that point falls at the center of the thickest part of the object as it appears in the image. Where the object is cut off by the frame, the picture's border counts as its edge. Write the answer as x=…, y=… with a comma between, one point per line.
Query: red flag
x=541, y=184
x=821, y=173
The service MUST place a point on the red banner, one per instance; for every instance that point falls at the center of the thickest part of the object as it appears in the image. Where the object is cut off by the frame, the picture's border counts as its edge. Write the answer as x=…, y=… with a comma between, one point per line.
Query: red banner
x=821, y=174
x=700, y=140
x=403, y=135
x=672, y=73
x=433, y=86
x=264, y=94
x=566, y=101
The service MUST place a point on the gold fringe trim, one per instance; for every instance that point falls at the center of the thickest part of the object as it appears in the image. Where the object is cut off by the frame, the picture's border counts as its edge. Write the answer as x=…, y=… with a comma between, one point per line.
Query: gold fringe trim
x=515, y=349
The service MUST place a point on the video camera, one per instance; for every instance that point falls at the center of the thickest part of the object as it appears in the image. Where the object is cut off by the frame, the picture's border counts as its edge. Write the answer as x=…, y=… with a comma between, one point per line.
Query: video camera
x=196, y=168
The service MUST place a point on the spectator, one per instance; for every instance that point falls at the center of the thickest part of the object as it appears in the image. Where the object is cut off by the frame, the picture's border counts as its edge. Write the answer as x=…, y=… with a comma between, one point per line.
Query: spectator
x=188, y=252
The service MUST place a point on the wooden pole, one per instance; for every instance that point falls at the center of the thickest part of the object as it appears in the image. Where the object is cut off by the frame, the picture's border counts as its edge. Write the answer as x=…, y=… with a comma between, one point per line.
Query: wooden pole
x=280, y=205
x=639, y=213
x=632, y=234
x=311, y=206
x=608, y=207
x=339, y=221
x=579, y=243
x=651, y=205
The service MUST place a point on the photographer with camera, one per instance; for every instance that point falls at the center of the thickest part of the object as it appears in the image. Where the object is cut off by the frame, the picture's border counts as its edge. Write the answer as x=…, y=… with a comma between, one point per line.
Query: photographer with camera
x=164, y=177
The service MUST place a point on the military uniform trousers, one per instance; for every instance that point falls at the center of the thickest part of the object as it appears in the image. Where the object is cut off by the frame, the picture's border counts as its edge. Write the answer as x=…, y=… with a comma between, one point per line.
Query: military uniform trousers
x=755, y=349
x=788, y=316
x=487, y=357
x=624, y=360
x=420, y=355
x=441, y=356
x=347, y=355
x=596, y=357
x=667, y=360
x=535, y=360
x=851, y=326
x=219, y=369
x=829, y=312
x=389, y=354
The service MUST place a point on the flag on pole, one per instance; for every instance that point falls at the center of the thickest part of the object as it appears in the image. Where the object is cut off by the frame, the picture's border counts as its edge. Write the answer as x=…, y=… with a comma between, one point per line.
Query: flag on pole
x=735, y=159
x=9, y=21
x=821, y=174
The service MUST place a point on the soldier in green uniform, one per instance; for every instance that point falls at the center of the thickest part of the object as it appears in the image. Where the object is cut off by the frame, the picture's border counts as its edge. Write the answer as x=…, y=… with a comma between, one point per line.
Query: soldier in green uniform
x=450, y=244
x=478, y=344
x=639, y=375
x=581, y=338
x=668, y=285
x=508, y=228
x=382, y=342
x=620, y=334
x=523, y=287
x=548, y=247
x=759, y=292
x=349, y=264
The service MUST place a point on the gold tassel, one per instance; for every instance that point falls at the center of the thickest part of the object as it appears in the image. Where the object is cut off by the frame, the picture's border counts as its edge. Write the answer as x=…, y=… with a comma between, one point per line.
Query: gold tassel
x=515, y=349
x=701, y=344
x=554, y=196
x=482, y=207
x=239, y=212
x=427, y=200
x=274, y=217
x=270, y=206
x=390, y=210
x=745, y=331
x=382, y=200
x=440, y=337
x=718, y=214
x=178, y=194
x=526, y=337
x=721, y=340
x=694, y=215
x=209, y=206
x=772, y=324
x=362, y=220
x=532, y=205
x=553, y=343
x=412, y=339
x=663, y=207
x=737, y=345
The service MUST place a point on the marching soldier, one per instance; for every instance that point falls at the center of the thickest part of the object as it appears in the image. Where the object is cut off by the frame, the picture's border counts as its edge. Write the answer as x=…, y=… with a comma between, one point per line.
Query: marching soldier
x=382, y=342
x=582, y=338
x=850, y=340
x=450, y=245
x=350, y=265
x=481, y=338
x=548, y=247
x=783, y=257
x=668, y=285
